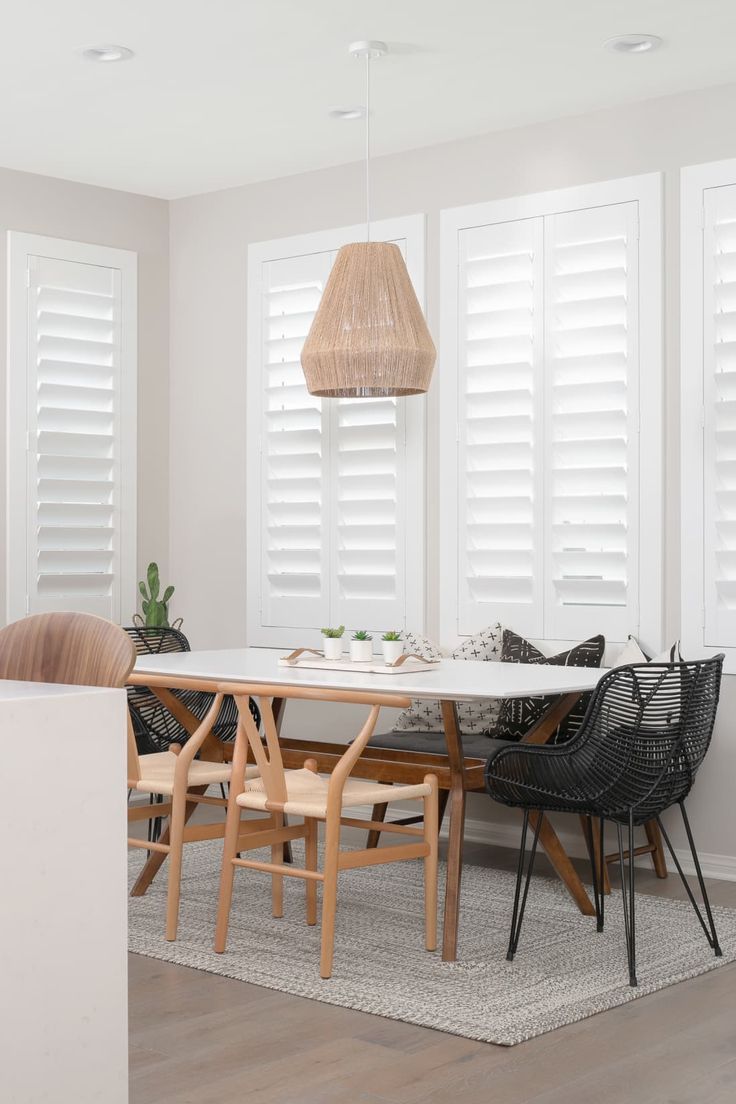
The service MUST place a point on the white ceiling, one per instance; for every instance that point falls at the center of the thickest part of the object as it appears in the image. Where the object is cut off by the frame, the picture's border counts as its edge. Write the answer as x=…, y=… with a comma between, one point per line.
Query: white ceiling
x=224, y=92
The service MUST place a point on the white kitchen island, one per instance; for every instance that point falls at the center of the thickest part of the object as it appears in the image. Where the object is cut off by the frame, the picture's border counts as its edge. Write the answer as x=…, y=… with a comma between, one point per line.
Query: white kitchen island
x=63, y=964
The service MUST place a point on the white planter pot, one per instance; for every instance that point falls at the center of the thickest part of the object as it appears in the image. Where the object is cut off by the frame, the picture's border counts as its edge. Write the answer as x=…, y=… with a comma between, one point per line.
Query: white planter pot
x=332, y=647
x=361, y=651
x=392, y=649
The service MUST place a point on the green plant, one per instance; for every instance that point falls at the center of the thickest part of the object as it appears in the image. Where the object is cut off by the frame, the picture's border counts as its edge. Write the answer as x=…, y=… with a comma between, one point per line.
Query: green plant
x=333, y=634
x=155, y=609
x=392, y=634
x=362, y=634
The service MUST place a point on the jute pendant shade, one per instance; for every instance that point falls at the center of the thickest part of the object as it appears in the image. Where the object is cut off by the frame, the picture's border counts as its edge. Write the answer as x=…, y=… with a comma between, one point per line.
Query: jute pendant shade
x=369, y=336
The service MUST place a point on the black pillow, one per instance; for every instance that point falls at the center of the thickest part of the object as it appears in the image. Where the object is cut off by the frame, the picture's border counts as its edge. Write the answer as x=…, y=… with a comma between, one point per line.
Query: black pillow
x=518, y=715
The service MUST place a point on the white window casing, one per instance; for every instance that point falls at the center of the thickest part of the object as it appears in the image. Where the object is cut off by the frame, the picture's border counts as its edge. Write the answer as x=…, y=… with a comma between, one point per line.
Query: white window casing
x=71, y=473
x=708, y=410
x=335, y=486
x=551, y=359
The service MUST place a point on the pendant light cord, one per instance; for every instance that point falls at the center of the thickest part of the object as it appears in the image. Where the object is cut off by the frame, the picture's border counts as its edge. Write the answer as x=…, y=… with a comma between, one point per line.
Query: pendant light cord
x=368, y=145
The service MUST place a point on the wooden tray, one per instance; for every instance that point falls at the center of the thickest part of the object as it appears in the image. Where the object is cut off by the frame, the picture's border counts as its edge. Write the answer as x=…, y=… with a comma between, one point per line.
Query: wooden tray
x=312, y=659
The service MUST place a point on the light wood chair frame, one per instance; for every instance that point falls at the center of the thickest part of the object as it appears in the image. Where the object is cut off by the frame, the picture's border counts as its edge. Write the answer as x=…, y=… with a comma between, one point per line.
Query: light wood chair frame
x=178, y=808
x=422, y=844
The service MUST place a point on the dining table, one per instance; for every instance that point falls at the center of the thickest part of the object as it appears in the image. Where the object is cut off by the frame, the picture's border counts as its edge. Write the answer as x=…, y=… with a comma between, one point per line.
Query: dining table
x=450, y=681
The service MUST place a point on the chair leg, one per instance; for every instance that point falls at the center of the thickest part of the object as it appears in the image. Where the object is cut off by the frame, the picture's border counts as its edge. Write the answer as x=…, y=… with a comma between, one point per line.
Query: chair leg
x=595, y=829
x=176, y=845
x=310, y=850
x=431, y=838
x=710, y=928
x=518, y=912
x=277, y=880
x=329, y=897
x=379, y=813
x=628, y=896
x=227, y=874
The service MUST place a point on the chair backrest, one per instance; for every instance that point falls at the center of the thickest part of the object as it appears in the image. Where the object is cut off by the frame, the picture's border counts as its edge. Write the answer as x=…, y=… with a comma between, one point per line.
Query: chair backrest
x=155, y=641
x=73, y=648
x=77, y=649
x=646, y=732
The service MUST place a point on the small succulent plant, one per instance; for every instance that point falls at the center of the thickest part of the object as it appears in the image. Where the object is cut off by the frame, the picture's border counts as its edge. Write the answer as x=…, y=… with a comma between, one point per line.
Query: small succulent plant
x=392, y=634
x=362, y=634
x=155, y=609
x=333, y=634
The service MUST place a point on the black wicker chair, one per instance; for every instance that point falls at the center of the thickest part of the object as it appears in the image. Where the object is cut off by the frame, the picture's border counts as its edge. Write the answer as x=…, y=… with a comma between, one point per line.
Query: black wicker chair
x=155, y=729
x=645, y=733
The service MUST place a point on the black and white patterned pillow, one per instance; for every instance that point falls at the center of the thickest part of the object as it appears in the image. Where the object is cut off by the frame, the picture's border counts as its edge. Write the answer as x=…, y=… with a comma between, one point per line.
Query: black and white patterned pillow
x=518, y=715
x=475, y=717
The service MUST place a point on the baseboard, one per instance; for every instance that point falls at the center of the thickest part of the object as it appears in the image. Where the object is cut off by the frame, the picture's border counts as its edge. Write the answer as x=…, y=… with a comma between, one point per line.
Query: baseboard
x=507, y=835
x=722, y=867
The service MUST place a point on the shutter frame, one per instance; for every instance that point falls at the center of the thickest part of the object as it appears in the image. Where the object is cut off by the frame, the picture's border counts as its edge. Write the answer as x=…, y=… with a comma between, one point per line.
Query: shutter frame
x=646, y=192
x=82, y=394
x=408, y=610
x=706, y=629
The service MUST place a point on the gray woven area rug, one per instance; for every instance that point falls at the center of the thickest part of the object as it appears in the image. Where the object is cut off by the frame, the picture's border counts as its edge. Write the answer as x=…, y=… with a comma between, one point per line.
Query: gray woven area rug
x=564, y=970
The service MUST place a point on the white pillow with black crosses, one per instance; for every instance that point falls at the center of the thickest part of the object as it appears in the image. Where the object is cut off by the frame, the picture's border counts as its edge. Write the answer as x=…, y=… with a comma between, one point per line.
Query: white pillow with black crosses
x=475, y=717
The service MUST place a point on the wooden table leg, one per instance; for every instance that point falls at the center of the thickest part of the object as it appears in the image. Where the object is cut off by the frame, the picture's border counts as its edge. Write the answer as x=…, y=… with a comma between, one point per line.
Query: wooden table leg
x=654, y=836
x=456, y=836
x=278, y=707
x=541, y=733
x=560, y=860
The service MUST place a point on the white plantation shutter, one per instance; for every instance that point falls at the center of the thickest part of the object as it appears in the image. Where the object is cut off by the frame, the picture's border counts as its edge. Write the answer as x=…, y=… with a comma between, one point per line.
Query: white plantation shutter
x=542, y=335
x=71, y=462
x=294, y=450
x=339, y=481
x=367, y=527
x=500, y=383
x=591, y=370
x=719, y=415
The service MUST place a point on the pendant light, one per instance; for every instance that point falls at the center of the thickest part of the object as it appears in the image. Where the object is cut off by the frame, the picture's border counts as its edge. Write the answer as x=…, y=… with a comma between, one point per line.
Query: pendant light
x=369, y=337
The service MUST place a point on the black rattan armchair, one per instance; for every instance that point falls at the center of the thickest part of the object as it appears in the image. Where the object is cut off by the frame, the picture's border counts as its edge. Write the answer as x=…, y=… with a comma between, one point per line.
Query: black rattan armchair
x=154, y=727
x=645, y=733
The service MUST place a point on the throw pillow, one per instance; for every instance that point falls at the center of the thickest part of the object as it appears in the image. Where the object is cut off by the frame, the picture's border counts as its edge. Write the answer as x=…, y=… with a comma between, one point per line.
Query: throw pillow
x=518, y=715
x=632, y=653
x=474, y=717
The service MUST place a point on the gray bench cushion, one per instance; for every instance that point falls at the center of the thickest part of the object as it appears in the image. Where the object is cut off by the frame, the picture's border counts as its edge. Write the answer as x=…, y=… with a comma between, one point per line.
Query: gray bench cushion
x=433, y=743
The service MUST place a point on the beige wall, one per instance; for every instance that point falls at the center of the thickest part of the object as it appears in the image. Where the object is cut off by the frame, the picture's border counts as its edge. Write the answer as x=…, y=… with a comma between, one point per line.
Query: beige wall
x=209, y=239
x=78, y=212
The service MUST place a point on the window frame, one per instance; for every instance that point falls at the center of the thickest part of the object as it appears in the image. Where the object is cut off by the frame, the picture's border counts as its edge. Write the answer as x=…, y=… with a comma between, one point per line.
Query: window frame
x=695, y=180
x=20, y=247
x=411, y=228
x=646, y=190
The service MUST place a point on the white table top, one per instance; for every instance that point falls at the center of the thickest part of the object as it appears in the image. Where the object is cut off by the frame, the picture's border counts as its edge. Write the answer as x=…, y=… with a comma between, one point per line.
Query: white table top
x=452, y=680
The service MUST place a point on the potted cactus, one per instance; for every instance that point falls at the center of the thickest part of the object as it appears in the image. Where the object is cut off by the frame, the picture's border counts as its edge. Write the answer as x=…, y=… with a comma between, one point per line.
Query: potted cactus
x=392, y=646
x=361, y=647
x=333, y=642
x=155, y=609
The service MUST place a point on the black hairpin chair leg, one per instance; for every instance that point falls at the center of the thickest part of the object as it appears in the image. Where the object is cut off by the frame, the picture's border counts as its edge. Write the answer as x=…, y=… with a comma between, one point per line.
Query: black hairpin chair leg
x=709, y=928
x=629, y=896
x=519, y=907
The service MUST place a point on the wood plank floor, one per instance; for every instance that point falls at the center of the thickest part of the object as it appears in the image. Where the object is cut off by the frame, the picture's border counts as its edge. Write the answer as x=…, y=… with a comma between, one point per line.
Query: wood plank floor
x=204, y=1039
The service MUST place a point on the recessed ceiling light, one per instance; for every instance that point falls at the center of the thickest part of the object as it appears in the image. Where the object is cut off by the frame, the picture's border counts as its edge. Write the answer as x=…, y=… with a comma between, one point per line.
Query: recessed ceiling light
x=347, y=113
x=107, y=53
x=633, y=43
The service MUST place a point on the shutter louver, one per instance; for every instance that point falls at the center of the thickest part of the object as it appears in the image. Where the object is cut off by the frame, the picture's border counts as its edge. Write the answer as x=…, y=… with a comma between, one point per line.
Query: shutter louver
x=366, y=536
x=499, y=382
x=719, y=395
x=74, y=313
x=591, y=372
x=294, y=450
